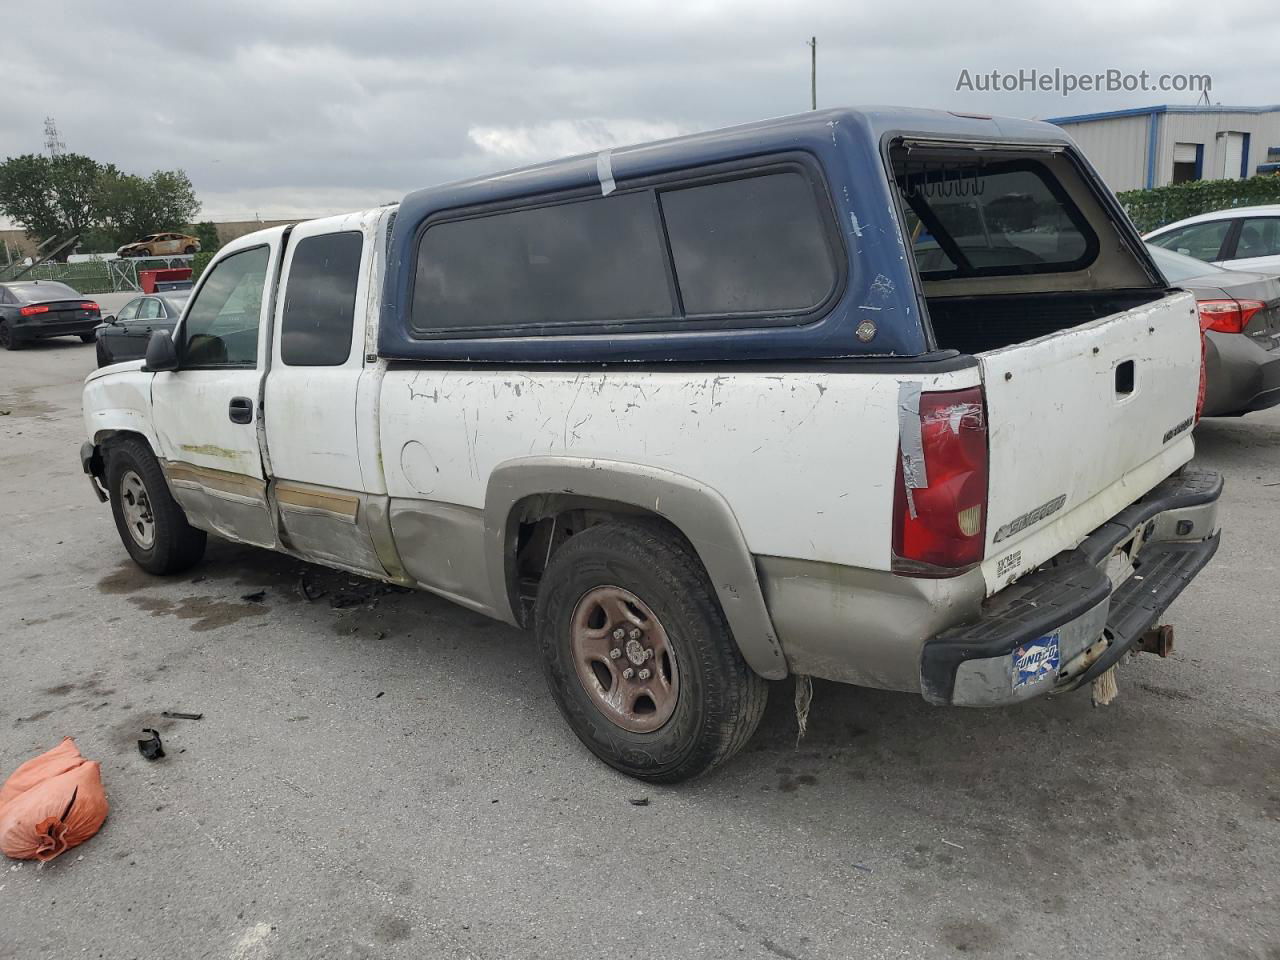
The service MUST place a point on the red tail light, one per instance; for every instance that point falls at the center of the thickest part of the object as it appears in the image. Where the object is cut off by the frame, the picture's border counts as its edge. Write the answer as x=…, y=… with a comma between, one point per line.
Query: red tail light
x=32, y=311
x=940, y=516
x=1227, y=316
x=89, y=305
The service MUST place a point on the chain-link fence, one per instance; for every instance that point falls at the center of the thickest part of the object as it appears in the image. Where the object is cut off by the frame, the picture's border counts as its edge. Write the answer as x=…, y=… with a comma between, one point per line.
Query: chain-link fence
x=102, y=276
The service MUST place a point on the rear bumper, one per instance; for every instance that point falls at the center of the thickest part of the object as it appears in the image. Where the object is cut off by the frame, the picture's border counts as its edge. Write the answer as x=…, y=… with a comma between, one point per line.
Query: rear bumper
x=1066, y=623
x=1241, y=375
x=37, y=330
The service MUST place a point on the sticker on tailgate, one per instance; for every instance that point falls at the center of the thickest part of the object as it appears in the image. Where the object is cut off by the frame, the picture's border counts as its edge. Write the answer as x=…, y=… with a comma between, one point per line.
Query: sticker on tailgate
x=1035, y=660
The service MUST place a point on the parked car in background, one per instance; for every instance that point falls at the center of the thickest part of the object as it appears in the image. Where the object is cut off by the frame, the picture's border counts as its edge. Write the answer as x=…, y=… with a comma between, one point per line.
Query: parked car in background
x=38, y=309
x=161, y=245
x=1240, y=315
x=1244, y=238
x=124, y=336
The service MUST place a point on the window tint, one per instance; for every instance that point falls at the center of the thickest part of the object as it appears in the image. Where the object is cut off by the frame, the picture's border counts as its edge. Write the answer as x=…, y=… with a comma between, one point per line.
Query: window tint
x=1199, y=240
x=1259, y=237
x=320, y=300
x=129, y=310
x=587, y=261
x=221, y=328
x=150, y=309
x=755, y=245
x=967, y=219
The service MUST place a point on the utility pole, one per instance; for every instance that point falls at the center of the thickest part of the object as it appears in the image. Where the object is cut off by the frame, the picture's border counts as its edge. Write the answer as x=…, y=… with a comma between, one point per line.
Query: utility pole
x=813, y=72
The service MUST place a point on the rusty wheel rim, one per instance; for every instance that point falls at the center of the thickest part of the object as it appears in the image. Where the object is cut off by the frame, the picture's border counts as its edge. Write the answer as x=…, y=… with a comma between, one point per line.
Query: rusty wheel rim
x=624, y=659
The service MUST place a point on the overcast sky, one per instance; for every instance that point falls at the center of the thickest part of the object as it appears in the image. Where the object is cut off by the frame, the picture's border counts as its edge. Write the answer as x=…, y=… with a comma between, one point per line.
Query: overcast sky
x=280, y=108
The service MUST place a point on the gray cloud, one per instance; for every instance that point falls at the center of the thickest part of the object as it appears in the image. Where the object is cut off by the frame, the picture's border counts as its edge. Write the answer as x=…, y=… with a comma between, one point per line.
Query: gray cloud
x=302, y=108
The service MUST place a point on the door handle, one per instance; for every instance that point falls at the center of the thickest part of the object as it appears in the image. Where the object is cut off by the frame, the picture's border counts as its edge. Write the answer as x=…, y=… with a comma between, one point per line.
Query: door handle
x=240, y=410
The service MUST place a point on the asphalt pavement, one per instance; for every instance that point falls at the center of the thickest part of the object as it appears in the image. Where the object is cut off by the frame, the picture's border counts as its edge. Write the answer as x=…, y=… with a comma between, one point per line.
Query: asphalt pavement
x=385, y=775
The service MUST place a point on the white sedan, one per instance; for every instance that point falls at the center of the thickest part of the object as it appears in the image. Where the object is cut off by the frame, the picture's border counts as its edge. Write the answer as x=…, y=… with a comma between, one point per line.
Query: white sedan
x=1243, y=238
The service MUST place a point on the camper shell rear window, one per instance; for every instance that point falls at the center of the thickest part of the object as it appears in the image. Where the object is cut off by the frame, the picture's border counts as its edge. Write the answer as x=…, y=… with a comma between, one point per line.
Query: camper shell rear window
x=975, y=216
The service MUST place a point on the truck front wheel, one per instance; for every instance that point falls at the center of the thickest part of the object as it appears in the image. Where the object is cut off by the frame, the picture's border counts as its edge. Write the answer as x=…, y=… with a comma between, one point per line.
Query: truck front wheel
x=152, y=526
x=639, y=657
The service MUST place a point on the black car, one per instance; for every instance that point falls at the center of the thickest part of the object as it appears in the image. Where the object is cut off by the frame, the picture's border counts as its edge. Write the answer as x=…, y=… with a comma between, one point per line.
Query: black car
x=1240, y=317
x=124, y=336
x=37, y=309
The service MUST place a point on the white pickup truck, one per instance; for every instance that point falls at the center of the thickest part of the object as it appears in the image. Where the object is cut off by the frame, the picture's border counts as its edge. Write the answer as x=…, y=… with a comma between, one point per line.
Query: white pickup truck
x=889, y=397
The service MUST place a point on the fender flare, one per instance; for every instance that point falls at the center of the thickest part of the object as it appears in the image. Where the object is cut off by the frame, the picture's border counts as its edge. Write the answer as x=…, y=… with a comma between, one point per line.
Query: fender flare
x=699, y=512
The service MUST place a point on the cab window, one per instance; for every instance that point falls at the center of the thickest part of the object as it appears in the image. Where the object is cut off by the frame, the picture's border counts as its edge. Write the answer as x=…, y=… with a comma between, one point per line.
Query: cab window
x=221, y=326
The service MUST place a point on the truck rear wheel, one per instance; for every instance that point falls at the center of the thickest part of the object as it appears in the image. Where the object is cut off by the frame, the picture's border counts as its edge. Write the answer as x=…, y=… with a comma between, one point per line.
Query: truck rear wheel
x=639, y=657
x=152, y=526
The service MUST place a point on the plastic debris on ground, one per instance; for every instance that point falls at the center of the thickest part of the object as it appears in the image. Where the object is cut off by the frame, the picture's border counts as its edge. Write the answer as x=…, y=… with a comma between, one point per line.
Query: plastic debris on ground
x=152, y=748
x=51, y=803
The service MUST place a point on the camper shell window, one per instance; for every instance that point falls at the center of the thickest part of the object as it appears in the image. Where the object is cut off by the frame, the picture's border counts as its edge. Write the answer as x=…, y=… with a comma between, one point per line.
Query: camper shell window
x=752, y=244
x=975, y=217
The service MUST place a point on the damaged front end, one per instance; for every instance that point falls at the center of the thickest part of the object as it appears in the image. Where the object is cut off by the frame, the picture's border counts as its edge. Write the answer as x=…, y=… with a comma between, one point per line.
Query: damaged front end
x=1070, y=622
x=95, y=467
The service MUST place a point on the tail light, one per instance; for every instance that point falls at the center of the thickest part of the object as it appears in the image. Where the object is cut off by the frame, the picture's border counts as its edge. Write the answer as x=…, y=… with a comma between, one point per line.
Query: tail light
x=89, y=305
x=32, y=311
x=940, y=495
x=1227, y=316
x=1223, y=316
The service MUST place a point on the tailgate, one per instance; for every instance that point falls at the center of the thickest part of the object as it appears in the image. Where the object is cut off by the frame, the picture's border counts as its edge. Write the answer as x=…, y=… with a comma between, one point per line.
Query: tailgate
x=1081, y=424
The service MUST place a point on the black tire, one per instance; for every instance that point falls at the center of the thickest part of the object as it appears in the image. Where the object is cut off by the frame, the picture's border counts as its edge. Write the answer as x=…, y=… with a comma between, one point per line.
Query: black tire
x=188, y=250
x=719, y=699
x=7, y=338
x=175, y=545
x=88, y=337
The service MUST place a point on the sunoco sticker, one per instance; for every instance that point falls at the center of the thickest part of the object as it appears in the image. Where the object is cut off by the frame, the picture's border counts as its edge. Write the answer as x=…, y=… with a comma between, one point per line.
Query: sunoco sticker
x=1035, y=660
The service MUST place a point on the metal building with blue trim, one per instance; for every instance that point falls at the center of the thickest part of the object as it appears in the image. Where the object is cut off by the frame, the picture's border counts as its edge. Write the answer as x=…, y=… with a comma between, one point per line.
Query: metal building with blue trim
x=1172, y=143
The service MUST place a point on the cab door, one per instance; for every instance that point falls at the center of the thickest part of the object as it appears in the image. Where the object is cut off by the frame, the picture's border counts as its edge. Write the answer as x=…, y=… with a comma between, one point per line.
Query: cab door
x=327, y=509
x=207, y=412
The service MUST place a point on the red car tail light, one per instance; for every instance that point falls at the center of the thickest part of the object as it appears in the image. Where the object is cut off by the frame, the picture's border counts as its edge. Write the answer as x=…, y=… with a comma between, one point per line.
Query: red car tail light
x=940, y=494
x=1227, y=316
x=32, y=311
x=89, y=305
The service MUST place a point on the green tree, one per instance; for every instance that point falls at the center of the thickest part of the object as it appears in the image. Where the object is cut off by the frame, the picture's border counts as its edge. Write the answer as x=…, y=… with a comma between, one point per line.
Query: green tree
x=51, y=197
x=130, y=207
x=207, y=233
x=74, y=195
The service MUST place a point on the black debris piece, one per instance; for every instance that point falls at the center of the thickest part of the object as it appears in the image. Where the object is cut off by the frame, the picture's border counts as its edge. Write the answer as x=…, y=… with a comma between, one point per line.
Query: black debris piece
x=309, y=593
x=380, y=693
x=359, y=593
x=151, y=748
x=256, y=597
x=638, y=801
x=179, y=715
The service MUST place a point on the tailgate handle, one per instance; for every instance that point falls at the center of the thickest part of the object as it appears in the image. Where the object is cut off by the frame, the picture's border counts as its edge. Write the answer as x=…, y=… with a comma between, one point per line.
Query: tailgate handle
x=1124, y=378
x=240, y=410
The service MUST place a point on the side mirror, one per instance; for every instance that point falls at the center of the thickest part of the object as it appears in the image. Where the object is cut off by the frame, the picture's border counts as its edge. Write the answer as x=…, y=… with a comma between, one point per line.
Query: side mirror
x=162, y=353
x=110, y=318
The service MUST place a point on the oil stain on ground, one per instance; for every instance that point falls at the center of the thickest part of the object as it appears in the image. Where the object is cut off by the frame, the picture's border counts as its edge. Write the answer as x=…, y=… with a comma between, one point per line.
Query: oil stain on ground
x=127, y=578
x=205, y=613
